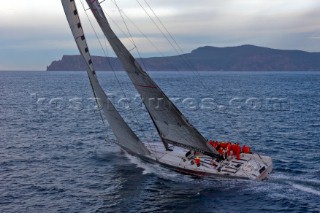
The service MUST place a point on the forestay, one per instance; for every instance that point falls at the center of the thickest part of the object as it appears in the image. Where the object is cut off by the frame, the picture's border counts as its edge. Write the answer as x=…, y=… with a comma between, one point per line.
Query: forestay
x=126, y=138
x=172, y=126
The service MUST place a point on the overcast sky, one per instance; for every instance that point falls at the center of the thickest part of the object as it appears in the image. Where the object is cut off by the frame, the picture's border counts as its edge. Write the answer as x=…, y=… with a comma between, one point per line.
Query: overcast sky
x=35, y=32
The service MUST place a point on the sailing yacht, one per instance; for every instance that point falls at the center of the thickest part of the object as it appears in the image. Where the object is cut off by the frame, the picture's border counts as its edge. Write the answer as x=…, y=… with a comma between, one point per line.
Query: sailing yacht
x=189, y=152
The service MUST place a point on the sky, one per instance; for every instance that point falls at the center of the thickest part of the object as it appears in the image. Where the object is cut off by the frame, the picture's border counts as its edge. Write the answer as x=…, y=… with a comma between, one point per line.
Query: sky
x=33, y=33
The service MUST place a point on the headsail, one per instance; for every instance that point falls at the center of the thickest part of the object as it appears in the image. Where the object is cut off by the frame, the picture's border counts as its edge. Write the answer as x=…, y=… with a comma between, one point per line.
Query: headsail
x=124, y=134
x=172, y=126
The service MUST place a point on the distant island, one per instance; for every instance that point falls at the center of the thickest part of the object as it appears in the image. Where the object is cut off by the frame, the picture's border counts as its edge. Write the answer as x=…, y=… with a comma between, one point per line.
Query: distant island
x=240, y=58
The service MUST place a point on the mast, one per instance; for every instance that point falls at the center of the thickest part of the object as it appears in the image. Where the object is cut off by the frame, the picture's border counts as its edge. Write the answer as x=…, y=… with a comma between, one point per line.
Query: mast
x=171, y=124
x=126, y=138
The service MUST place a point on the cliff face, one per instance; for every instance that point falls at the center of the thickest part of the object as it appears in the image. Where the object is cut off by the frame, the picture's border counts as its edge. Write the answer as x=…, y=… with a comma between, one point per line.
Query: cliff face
x=76, y=63
x=242, y=58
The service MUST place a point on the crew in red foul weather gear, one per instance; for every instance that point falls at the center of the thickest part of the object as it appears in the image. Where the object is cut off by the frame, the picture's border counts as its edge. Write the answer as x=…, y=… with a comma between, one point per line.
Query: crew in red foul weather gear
x=246, y=149
x=220, y=151
x=238, y=148
x=227, y=149
x=223, y=145
x=197, y=161
x=229, y=145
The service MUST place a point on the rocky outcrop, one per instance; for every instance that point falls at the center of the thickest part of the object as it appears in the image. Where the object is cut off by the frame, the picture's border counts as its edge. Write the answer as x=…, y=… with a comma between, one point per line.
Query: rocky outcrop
x=241, y=58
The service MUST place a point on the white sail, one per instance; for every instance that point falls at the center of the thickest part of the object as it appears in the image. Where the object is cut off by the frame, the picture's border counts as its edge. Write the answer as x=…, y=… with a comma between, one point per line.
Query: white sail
x=172, y=126
x=126, y=138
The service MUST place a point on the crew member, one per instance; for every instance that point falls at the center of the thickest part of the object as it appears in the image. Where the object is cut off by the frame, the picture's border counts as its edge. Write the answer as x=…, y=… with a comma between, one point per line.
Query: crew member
x=238, y=151
x=246, y=149
x=197, y=161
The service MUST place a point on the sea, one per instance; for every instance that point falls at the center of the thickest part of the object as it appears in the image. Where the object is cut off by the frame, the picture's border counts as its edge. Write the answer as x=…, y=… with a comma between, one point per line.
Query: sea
x=58, y=155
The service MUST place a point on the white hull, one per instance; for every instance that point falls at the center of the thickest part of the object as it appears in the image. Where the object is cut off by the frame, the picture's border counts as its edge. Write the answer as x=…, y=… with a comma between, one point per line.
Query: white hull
x=250, y=166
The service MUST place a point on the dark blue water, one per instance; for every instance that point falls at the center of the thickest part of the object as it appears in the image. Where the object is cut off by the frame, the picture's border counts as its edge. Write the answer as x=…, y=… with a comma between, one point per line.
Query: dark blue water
x=56, y=155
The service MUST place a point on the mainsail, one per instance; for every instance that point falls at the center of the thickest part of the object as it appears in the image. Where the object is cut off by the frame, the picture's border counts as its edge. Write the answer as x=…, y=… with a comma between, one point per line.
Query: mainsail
x=126, y=138
x=172, y=126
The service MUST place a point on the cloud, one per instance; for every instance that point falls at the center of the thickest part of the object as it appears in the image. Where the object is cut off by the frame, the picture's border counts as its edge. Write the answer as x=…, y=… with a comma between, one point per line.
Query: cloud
x=37, y=31
x=278, y=24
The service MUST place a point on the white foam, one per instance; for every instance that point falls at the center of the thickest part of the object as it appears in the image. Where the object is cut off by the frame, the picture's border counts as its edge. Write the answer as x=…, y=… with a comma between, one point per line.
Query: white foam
x=157, y=170
x=284, y=177
x=139, y=163
x=306, y=189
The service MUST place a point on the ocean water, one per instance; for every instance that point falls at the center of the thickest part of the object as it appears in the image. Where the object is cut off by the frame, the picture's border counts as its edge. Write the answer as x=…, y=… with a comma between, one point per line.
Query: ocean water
x=57, y=156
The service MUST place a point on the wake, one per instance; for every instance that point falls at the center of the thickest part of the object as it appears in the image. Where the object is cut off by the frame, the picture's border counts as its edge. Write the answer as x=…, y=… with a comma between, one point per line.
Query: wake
x=303, y=184
x=306, y=189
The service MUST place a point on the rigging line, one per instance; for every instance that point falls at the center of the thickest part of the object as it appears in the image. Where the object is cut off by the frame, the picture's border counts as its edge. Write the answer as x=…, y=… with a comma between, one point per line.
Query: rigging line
x=149, y=40
x=140, y=31
x=164, y=35
x=131, y=37
x=182, y=53
x=144, y=35
x=125, y=34
x=164, y=27
x=124, y=22
x=119, y=28
x=132, y=41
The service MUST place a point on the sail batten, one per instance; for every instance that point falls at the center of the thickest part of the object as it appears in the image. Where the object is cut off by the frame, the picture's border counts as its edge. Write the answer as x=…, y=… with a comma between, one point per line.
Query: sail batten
x=126, y=138
x=171, y=124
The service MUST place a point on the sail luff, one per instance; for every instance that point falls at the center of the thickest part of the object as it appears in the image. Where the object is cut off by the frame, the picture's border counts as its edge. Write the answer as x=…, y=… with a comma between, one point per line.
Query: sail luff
x=126, y=138
x=172, y=125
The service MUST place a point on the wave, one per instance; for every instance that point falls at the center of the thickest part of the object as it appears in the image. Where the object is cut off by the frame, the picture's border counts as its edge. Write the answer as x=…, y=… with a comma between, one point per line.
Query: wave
x=306, y=189
x=298, y=179
x=154, y=169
